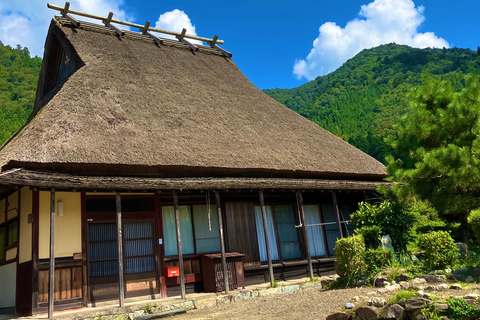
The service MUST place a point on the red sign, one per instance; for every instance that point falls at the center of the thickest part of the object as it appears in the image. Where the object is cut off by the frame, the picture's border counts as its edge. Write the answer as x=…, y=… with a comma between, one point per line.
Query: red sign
x=173, y=272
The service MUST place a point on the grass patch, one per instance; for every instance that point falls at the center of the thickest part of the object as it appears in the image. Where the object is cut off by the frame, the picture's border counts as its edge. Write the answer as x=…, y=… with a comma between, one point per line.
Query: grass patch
x=403, y=294
x=273, y=285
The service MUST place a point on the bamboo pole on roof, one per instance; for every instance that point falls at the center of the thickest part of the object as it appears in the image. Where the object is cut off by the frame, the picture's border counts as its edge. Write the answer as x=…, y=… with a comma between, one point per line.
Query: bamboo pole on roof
x=125, y=23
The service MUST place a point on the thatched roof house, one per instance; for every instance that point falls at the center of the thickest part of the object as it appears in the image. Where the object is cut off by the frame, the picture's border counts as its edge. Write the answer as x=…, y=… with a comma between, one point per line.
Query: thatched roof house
x=125, y=113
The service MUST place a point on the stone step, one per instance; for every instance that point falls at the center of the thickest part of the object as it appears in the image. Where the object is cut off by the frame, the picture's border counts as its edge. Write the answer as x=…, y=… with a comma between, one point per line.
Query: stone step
x=160, y=315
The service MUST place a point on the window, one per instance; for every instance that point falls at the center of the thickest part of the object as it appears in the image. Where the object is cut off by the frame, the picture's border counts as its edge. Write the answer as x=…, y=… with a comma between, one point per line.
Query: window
x=66, y=67
x=138, y=247
x=314, y=230
x=331, y=227
x=287, y=232
x=198, y=233
x=8, y=237
x=102, y=249
x=2, y=243
x=12, y=233
x=272, y=239
x=288, y=240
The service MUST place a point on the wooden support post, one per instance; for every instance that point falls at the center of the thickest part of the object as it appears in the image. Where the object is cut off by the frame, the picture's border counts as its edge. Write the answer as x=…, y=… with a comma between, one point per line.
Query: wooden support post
x=305, y=234
x=365, y=197
x=214, y=41
x=337, y=211
x=222, y=244
x=267, y=244
x=181, y=38
x=51, y=284
x=120, y=249
x=179, y=245
x=108, y=23
x=145, y=27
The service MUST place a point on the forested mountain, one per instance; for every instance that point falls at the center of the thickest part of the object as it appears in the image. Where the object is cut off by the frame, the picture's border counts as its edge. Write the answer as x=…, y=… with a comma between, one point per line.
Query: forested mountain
x=18, y=83
x=362, y=99
x=359, y=102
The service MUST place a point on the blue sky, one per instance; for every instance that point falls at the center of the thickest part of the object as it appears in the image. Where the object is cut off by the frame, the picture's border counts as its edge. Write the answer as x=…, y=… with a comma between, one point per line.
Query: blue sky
x=273, y=41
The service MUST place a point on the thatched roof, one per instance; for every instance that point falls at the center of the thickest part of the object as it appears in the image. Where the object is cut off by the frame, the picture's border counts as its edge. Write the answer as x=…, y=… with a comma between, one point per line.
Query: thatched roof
x=137, y=108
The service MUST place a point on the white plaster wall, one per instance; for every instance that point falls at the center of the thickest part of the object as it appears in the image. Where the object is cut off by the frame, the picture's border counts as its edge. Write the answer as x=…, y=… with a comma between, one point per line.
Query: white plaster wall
x=8, y=278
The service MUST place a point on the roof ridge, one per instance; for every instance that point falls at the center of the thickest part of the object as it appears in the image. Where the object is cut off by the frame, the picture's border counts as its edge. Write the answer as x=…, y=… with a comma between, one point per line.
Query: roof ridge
x=144, y=29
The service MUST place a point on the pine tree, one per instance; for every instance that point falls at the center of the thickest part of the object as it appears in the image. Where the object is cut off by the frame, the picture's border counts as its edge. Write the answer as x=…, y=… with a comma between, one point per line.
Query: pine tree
x=440, y=142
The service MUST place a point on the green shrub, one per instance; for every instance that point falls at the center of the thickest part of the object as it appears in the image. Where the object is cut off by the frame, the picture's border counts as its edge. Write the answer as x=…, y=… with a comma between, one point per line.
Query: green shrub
x=461, y=309
x=474, y=222
x=440, y=249
x=392, y=217
x=349, y=252
x=378, y=258
x=372, y=235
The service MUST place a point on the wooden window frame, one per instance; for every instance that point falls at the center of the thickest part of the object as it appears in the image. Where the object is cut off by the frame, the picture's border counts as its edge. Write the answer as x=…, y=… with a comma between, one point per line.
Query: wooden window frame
x=195, y=254
x=299, y=232
x=155, y=254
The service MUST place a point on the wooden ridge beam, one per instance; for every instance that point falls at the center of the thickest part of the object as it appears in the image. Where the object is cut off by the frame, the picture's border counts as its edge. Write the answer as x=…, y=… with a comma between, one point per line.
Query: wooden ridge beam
x=129, y=24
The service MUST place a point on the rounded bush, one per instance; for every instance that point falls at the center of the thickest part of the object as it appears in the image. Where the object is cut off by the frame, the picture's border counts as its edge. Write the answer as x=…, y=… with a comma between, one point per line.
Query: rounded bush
x=349, y=252
x=378, y=258
x=440, y=250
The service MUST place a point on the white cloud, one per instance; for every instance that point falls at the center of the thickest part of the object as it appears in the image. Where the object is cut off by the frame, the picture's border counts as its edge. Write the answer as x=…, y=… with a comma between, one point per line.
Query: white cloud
x=379, y=22
x=176, y=20
x=26, y=22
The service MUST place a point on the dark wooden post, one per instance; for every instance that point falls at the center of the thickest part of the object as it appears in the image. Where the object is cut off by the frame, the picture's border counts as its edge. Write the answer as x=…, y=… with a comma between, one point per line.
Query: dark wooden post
x=267, y=244
x=337, y=211
x=222, y=244
x=179, y=244
x=51, y=285
x=120, y=249
x=304, y=223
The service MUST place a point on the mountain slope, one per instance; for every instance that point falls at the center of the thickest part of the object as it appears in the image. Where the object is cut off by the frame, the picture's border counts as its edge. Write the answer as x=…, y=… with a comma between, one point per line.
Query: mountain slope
x=18, y=82
x=362, y=99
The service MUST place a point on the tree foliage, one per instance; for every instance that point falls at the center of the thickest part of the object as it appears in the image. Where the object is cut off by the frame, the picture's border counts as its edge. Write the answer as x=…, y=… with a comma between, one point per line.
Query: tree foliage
x=362, y=100
x=18, y=83
x=373, y=221
x=439, y=140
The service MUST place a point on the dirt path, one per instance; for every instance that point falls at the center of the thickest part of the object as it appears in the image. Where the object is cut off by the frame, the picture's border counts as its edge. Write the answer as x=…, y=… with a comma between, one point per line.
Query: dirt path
x=302, y=304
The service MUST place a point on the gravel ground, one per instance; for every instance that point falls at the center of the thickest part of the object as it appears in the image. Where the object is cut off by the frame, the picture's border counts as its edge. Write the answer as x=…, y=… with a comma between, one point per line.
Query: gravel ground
x=302, y=304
